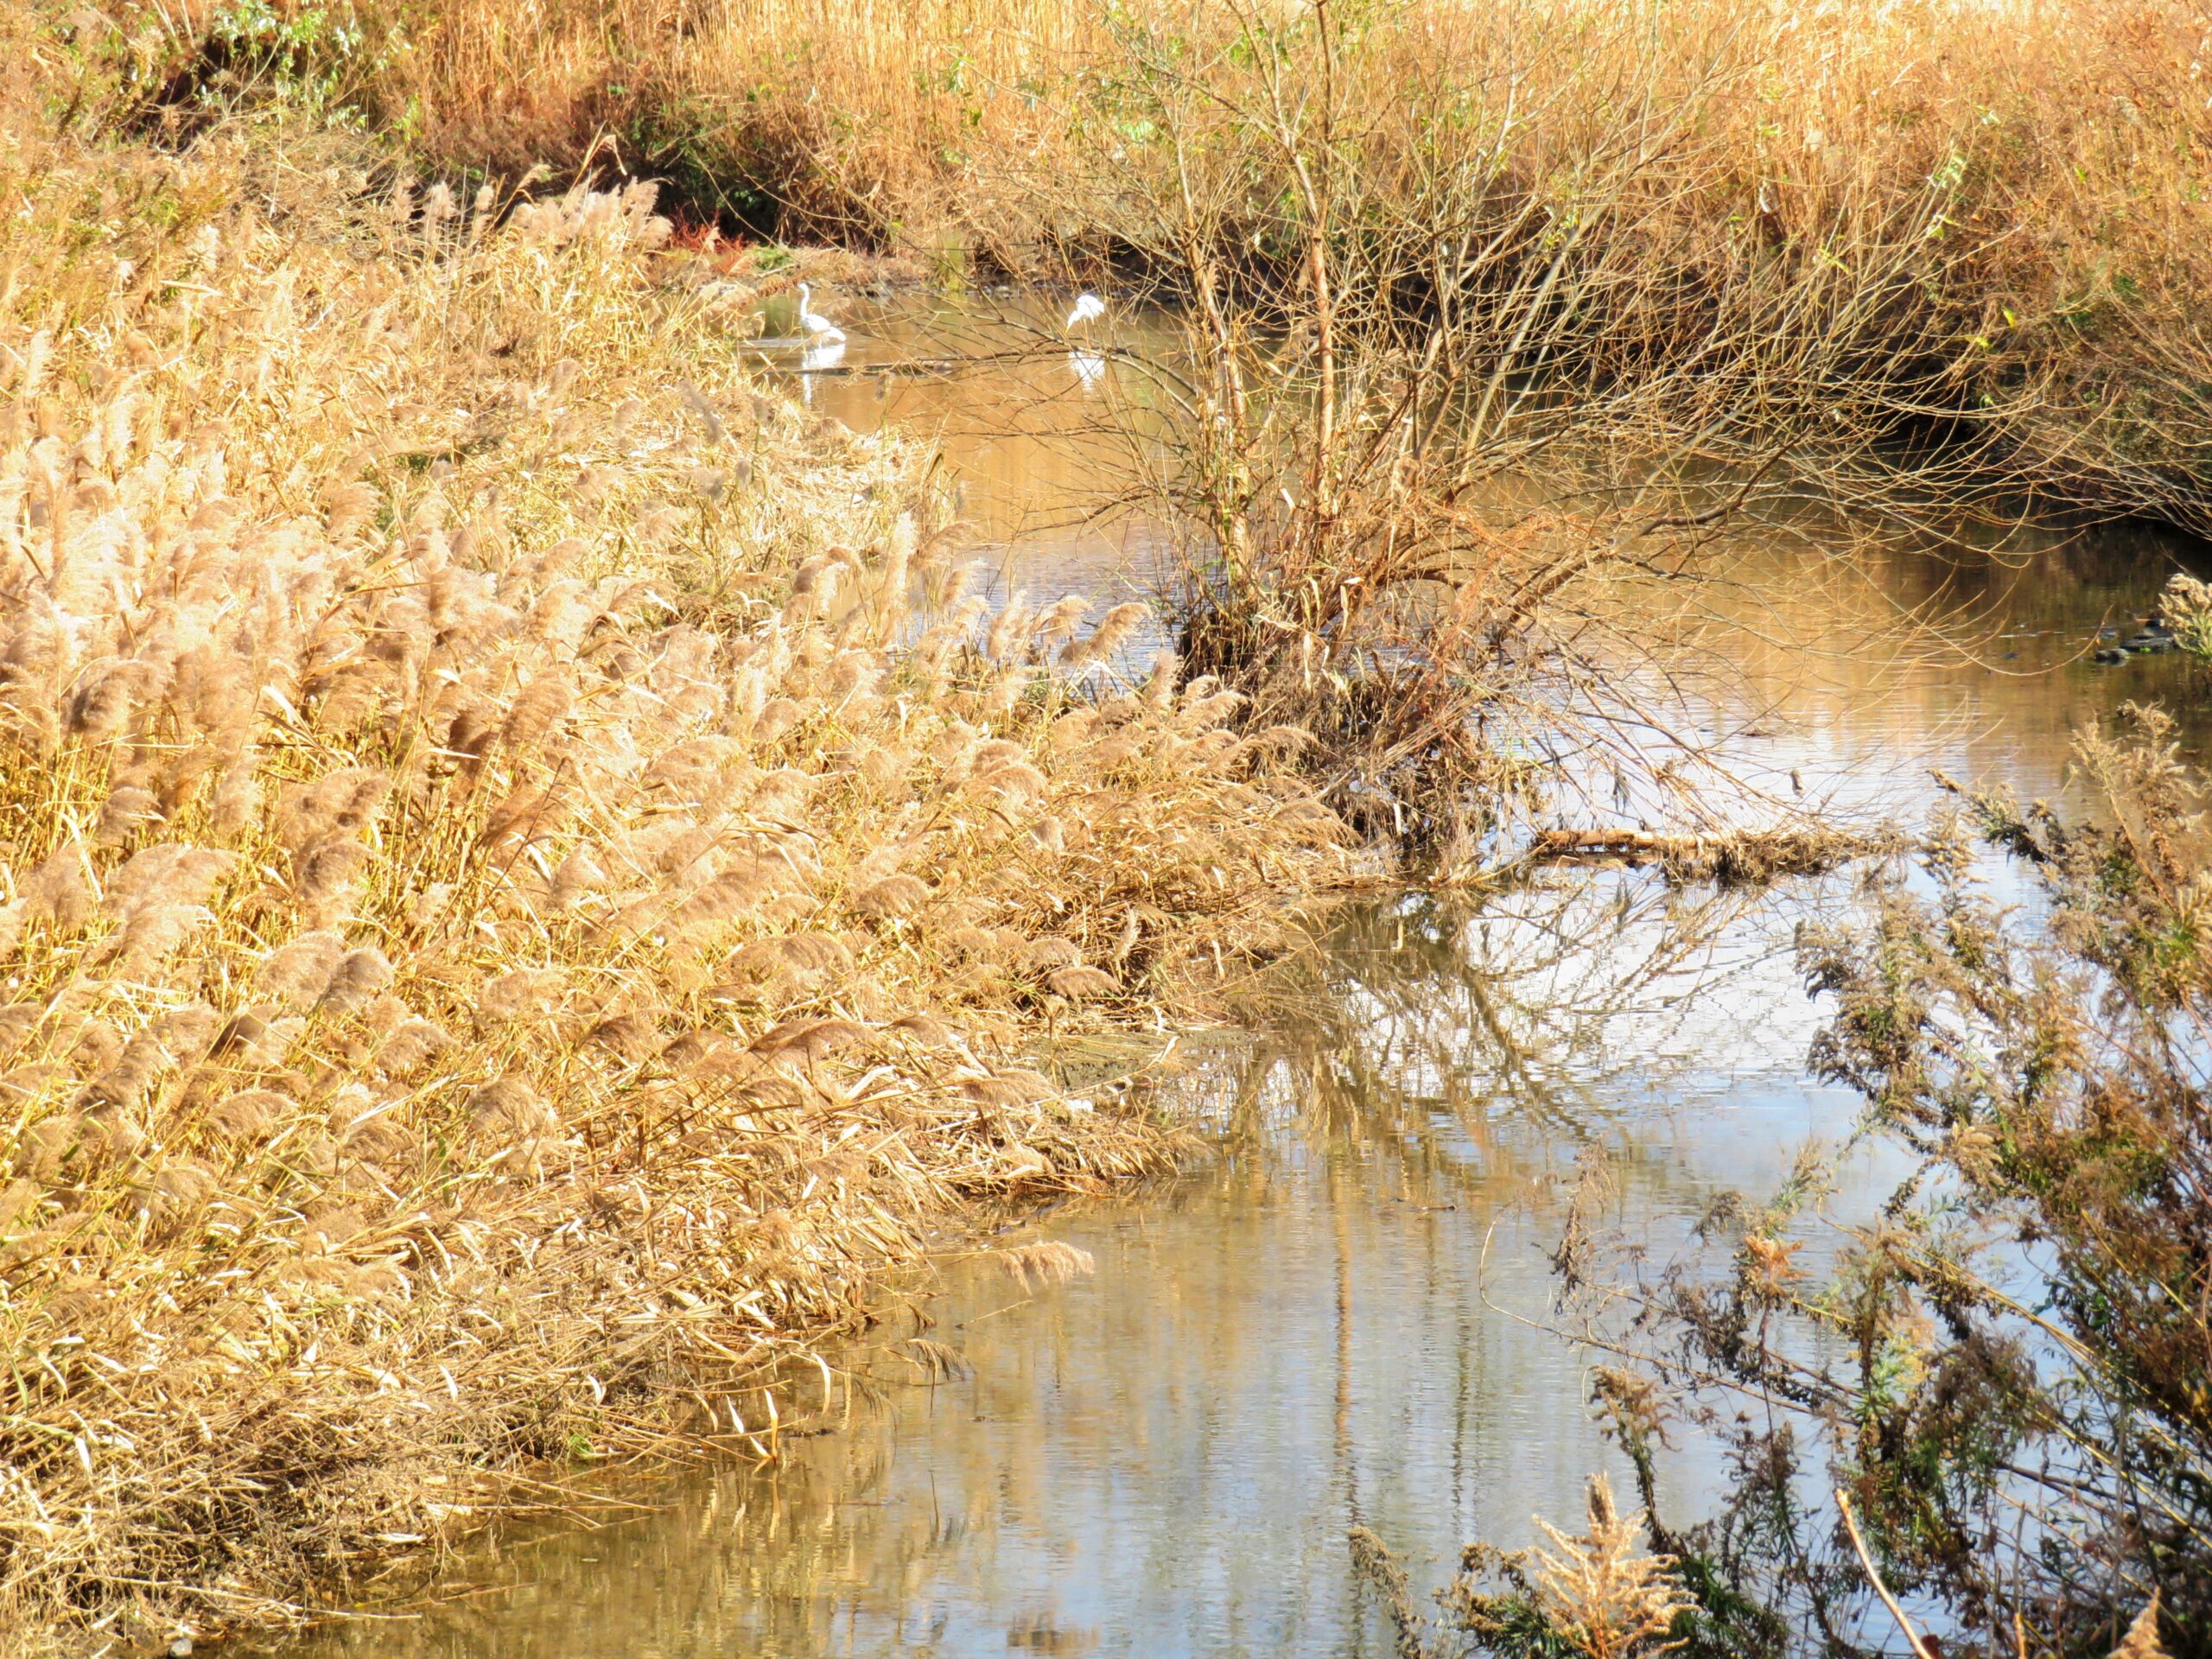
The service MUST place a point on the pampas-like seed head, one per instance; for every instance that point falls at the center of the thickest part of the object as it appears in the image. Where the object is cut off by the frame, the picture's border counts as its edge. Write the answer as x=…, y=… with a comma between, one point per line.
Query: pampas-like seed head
x=809, y=1041
x=295, y=975
x=1078, y=983
x=57, y=890
x=126, y=807
x=412, y=1045
x=1036, y=1267
x=1042, y=956
x=893, y=896
x=1059, y=621
x=251, y=1114
x=521, y=994
x=543, y=703
x=358, y=978
x=1008, y=628
x=326, y=877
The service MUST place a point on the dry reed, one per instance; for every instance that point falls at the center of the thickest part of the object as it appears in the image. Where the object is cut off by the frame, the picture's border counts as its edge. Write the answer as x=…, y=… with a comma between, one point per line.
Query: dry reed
x=1990, y=216
x=514, y=907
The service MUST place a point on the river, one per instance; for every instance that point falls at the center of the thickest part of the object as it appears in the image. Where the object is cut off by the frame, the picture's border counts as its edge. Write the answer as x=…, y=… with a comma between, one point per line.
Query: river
x=1342, y=1314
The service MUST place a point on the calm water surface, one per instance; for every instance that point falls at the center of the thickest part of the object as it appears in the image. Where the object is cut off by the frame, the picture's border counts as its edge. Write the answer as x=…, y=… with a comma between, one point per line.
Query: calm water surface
x=1343, y=1316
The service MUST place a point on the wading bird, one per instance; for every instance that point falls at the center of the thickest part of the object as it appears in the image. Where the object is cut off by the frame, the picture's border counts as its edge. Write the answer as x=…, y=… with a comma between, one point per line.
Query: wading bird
x=812, y=324
x=1089, y=366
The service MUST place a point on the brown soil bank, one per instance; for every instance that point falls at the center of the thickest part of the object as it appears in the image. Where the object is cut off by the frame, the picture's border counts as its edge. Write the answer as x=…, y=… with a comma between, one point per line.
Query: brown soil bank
x=523, y=881
x=1983, y=221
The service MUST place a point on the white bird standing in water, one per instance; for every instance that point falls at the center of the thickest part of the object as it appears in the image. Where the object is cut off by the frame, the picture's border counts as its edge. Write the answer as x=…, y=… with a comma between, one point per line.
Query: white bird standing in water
x=812, y=324
x=1090, y=367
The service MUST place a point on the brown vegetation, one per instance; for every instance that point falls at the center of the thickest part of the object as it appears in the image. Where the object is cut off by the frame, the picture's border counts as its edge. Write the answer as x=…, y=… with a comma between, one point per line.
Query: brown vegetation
x=2056, y=1082
x=1676, y=262
x=2005, y=1372
x=525, y=882
x=1988, y=219
x=1598, y=1595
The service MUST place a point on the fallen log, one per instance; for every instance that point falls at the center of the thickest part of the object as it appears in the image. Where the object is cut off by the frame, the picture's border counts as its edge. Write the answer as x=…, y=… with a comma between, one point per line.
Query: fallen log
x=1729, y=856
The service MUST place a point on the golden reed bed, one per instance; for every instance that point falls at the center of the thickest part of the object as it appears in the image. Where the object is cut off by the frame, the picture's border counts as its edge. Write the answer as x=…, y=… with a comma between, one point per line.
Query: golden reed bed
x=527, y=881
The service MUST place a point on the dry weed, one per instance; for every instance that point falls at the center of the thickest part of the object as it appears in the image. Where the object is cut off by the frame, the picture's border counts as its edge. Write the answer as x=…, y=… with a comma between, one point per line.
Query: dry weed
x=1988, y=220
x=1601, y=1593
x=514, y=911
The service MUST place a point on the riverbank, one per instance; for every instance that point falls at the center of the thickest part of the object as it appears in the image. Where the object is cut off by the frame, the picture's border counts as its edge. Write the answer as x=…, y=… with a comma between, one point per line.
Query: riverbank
x=528, y=882
x=1978, y=230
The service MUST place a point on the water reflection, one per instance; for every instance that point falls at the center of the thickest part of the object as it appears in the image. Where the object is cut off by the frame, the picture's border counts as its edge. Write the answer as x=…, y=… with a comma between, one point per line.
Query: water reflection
x=1014, y=410
x=1833, y=661
x=1089, y=369
x=1343, y=1316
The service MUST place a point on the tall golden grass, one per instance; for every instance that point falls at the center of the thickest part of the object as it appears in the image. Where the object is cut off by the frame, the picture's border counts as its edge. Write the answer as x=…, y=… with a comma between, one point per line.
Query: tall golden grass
x=2036, y=172
x=525, y=882
x=1475, y=296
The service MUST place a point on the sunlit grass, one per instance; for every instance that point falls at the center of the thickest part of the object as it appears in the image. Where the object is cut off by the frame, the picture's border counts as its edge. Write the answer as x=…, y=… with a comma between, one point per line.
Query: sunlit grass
x=525, y=881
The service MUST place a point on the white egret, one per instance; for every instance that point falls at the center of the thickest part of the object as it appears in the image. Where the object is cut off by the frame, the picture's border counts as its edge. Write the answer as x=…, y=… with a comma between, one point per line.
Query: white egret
x=1089, y=308
x=812, y=324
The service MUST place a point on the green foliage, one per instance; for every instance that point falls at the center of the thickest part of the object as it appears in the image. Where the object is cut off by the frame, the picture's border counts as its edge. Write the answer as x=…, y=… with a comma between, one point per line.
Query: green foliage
x=305, y=61
x=2011, y=1369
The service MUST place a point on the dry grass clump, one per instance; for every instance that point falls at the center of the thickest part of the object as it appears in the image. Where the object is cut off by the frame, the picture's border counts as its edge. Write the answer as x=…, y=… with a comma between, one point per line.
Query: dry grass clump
x=522, y=880
x=2141, y=1641
x=1596, y=1595
x=1606, y=1598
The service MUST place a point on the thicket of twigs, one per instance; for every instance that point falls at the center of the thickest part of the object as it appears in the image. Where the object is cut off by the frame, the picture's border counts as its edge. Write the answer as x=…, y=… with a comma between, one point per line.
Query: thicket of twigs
x=525, y=881
x=1451, y=457
x=1981, y=1421
x=2036, y=1431
x=1676, y=261
x=2006, y=1379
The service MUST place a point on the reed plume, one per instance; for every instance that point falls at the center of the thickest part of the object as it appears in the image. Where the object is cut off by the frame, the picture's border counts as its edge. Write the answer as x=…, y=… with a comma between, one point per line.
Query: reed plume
x=466, y=900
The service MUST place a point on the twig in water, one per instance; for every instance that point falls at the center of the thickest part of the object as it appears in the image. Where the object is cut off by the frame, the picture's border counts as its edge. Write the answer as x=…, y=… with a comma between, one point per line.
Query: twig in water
x=1850, y=1525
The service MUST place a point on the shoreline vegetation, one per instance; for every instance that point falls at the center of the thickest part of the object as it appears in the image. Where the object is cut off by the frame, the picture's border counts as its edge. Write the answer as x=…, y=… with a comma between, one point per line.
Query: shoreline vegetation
x=1977, y=227
x=528, y=881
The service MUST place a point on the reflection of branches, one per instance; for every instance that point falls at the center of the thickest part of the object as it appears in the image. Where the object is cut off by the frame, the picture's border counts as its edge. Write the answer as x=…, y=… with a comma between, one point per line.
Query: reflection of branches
x=1507, y=1017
